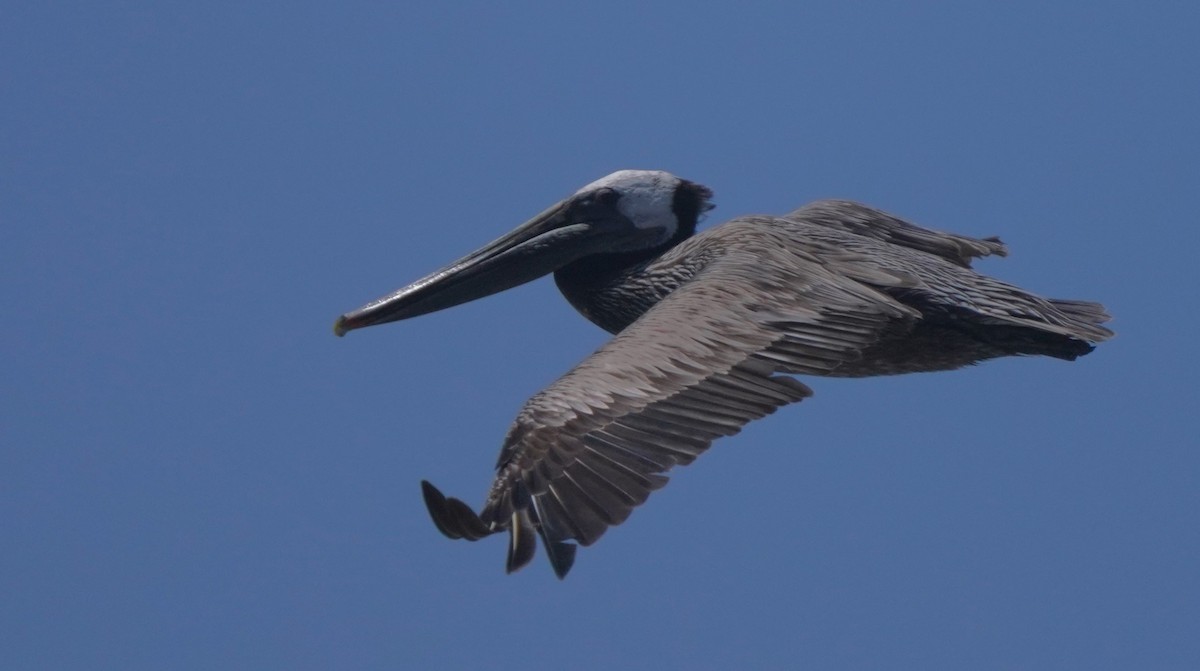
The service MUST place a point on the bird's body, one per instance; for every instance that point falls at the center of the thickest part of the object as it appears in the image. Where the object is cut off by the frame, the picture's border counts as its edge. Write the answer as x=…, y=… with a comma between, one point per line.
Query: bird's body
x=708, y=328
x=765, y=254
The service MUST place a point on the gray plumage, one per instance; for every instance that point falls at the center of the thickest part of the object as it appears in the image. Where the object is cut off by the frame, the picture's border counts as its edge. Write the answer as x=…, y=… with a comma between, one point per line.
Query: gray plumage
x=708, y=328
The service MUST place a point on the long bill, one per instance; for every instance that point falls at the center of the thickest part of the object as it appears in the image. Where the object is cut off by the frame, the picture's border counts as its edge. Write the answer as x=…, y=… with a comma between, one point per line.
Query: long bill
x=538, y=247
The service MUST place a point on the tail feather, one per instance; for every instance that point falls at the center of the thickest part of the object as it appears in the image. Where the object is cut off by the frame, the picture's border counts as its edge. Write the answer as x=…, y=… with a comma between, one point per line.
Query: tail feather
x=1085, y=317
x=1063, y=329
x=1007, y=340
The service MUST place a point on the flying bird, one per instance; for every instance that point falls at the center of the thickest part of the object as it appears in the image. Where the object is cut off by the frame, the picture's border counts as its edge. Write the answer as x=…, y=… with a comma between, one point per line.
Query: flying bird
x=708, y=328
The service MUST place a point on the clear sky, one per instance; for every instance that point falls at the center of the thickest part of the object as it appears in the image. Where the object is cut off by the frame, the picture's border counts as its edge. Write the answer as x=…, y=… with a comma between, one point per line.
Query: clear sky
x=196, y=474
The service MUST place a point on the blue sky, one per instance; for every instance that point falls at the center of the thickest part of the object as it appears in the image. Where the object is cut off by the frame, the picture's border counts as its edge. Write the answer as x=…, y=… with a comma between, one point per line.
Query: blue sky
x=196, y=474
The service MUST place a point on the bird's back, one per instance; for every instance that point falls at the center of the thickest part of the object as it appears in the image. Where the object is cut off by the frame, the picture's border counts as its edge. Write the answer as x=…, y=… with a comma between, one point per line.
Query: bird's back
x=703, y=332
x=966, y=317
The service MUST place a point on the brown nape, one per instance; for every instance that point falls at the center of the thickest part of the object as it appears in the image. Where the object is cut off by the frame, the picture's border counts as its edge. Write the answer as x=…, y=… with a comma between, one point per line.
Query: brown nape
x=691, y=200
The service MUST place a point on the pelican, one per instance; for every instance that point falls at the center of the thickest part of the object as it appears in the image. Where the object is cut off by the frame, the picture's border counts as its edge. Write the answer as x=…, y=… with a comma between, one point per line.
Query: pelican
x=708, y=329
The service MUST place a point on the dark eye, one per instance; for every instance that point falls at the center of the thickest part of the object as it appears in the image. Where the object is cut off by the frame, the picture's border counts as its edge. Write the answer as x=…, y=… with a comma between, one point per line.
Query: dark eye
x=600, y=198
x=607, y=196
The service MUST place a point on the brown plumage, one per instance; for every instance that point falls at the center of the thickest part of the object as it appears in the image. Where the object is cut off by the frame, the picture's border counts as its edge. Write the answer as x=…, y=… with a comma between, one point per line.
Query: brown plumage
x=708, y=328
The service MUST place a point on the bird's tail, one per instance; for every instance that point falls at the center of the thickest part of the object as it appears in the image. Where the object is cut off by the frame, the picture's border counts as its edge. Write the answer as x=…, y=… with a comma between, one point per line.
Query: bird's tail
x=1067, y=330
x=1085, y=318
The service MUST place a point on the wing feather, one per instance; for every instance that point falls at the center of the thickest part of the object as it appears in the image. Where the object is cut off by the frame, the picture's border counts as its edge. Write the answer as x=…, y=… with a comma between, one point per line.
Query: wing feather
x=869, y=222
x=698, y=366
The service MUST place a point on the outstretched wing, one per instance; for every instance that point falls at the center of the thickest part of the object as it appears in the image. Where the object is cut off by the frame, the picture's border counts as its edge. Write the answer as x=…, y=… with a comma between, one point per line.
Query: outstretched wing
x=851, y=217
x=697, y=366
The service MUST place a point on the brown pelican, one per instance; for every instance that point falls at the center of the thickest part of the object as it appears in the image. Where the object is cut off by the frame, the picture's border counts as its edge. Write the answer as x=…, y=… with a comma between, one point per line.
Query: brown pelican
x=705, y=323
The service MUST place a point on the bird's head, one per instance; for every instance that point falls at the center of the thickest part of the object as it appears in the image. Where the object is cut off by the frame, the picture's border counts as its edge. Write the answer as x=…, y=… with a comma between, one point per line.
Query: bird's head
x=627, y=211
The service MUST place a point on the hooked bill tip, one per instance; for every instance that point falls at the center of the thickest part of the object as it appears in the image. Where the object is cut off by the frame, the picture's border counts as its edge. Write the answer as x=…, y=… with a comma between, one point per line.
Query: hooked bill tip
x=339, y=327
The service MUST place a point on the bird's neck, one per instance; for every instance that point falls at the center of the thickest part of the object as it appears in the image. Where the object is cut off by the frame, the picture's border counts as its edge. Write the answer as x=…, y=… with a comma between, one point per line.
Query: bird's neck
x=611, y=290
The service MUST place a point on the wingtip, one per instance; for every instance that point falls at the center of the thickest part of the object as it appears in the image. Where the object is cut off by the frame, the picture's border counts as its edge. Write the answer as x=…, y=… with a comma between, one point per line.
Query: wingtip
x=522, y=542
x=435, y=503
x=996, y=246
x=451, y=516
x=562, y=557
